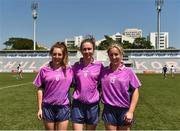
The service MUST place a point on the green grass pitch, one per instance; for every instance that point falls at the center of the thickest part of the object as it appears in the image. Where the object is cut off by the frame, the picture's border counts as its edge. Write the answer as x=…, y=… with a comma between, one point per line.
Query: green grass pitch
x=158, y=107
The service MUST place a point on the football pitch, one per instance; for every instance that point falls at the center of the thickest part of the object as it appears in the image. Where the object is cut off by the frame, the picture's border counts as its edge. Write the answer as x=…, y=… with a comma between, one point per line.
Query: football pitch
x=158, y=107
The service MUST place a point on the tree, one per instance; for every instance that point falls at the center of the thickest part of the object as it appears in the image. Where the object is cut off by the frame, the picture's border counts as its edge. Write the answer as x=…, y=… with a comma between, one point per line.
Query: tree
x=15, y=43
x=73, y=47
x=105, y=43
x=171, y=47
x=108, y=40
x=142, y=43
x=19, y=43
x=139, y=43
x=127, y=45
x=8, y=43
x=23, y=44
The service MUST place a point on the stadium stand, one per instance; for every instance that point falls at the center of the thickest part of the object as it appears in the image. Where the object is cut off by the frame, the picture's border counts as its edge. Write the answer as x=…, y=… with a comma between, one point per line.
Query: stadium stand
x=142, y=61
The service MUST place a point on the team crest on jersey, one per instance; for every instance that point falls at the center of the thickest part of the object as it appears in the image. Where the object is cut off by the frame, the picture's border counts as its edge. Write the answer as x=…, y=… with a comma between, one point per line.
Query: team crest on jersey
x=85, y=73
x=112, y=79
x=57, y=78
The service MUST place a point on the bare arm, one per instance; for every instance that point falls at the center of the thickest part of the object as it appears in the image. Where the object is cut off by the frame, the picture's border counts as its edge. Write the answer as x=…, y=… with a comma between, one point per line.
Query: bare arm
x=39, y=100
x=134, y=101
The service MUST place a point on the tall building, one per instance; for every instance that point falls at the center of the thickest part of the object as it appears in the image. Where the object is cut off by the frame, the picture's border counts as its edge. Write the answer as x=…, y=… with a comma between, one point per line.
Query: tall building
x=122, y=38
x=133, y=32
x=75, y=41
x=164, y=39
x=119, y=37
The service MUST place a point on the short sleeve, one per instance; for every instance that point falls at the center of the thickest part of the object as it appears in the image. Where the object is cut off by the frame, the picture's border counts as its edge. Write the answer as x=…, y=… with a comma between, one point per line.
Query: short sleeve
x=38, y=81
x=134, y=81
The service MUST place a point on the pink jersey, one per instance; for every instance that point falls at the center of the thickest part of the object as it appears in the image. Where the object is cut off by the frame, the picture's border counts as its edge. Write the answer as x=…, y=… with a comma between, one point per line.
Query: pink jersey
x=56, y=84
x=87, y=79
x=116, y=84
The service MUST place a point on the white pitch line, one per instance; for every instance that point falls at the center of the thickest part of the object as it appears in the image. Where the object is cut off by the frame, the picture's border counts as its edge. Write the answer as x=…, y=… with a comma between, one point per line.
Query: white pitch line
x=15, y=85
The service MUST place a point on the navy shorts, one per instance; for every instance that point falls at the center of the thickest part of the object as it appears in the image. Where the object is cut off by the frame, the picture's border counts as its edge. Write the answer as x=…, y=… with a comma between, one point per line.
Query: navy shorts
x=55, y=113
x=114, y=115
x=85, y=113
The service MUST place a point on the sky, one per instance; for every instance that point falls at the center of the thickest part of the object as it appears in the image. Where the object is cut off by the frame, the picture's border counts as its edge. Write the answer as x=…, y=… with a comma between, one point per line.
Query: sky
x=60, y=19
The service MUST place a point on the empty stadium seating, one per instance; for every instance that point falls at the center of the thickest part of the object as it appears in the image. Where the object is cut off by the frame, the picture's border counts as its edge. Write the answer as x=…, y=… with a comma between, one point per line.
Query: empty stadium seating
x=140, y=61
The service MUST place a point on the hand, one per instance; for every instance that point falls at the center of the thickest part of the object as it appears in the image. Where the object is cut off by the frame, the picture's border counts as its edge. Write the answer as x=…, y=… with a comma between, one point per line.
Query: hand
x=128, y=117
x=39, y=114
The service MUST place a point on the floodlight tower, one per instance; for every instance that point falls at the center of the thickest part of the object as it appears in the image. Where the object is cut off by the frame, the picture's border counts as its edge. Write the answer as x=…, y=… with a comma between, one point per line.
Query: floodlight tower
x=159, y=4
x=34, y=7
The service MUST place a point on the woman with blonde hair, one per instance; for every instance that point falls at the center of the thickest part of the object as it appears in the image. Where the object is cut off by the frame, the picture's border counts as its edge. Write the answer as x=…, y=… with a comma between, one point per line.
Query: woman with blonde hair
x=53, y=83
x=119, y=91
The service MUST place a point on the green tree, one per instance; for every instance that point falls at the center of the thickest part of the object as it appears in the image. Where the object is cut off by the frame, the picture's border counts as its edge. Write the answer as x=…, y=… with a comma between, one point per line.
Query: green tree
x=139, y=43
x=105, y=43
x=171, y=47
x=9, y=43
x=40, y=47
x=19, y=43
x=15, y=43
x=127, y=45
x=108, y=40
x=73, y=47
x=23, y=44
x=142, y=43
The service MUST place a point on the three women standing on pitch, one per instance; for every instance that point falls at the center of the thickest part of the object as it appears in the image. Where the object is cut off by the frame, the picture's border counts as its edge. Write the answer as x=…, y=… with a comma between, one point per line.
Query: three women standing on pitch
x=119, y=91
x=85, y=107
x=53, y=82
